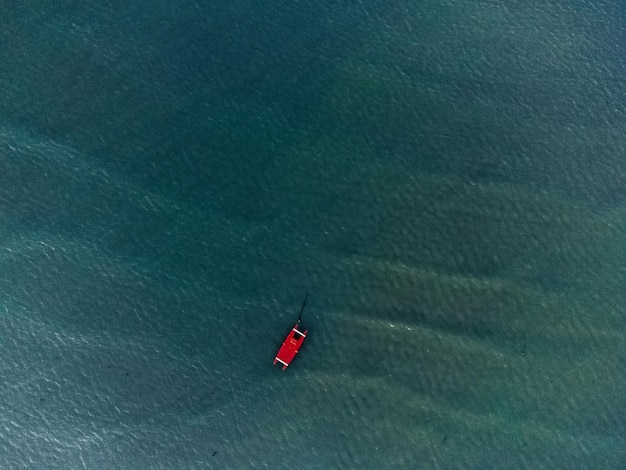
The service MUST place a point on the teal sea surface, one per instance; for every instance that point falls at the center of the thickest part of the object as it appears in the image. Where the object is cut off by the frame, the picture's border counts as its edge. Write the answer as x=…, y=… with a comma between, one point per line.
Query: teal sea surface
x=445, y=178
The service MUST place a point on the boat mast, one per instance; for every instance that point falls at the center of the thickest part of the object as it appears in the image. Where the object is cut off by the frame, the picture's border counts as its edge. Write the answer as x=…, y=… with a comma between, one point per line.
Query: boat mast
x=302, y=309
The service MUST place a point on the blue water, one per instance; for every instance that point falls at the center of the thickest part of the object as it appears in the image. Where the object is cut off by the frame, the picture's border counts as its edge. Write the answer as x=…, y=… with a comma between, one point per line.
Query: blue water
x=446, y=179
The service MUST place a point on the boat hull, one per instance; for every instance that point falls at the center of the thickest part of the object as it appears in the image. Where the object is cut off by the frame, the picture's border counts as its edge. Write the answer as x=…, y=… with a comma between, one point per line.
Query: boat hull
x=290, y=346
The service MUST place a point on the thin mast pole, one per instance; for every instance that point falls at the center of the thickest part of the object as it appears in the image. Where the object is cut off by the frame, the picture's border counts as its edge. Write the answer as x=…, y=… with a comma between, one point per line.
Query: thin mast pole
x=302, y=309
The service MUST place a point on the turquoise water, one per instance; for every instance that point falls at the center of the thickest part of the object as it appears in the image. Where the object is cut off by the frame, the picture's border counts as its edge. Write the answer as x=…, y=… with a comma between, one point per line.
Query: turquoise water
x=446, y=179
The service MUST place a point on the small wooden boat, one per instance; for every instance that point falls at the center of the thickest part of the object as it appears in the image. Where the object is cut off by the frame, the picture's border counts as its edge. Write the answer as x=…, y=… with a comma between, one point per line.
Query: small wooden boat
x=292, y=342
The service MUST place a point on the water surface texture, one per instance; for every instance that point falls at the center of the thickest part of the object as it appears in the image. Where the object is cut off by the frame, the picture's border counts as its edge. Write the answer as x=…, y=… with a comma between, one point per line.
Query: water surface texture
x=447, y=180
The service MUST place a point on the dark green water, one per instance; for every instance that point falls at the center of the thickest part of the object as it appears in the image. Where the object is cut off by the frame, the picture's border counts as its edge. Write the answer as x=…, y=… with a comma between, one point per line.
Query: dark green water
x=446, y=179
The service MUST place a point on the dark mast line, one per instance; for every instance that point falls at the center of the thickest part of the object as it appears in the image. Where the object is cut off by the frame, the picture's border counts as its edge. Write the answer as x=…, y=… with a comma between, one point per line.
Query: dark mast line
x=302, y=309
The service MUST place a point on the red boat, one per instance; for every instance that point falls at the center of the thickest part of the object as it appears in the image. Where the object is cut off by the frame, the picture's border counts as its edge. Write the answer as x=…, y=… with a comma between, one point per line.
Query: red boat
x=292, y=343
